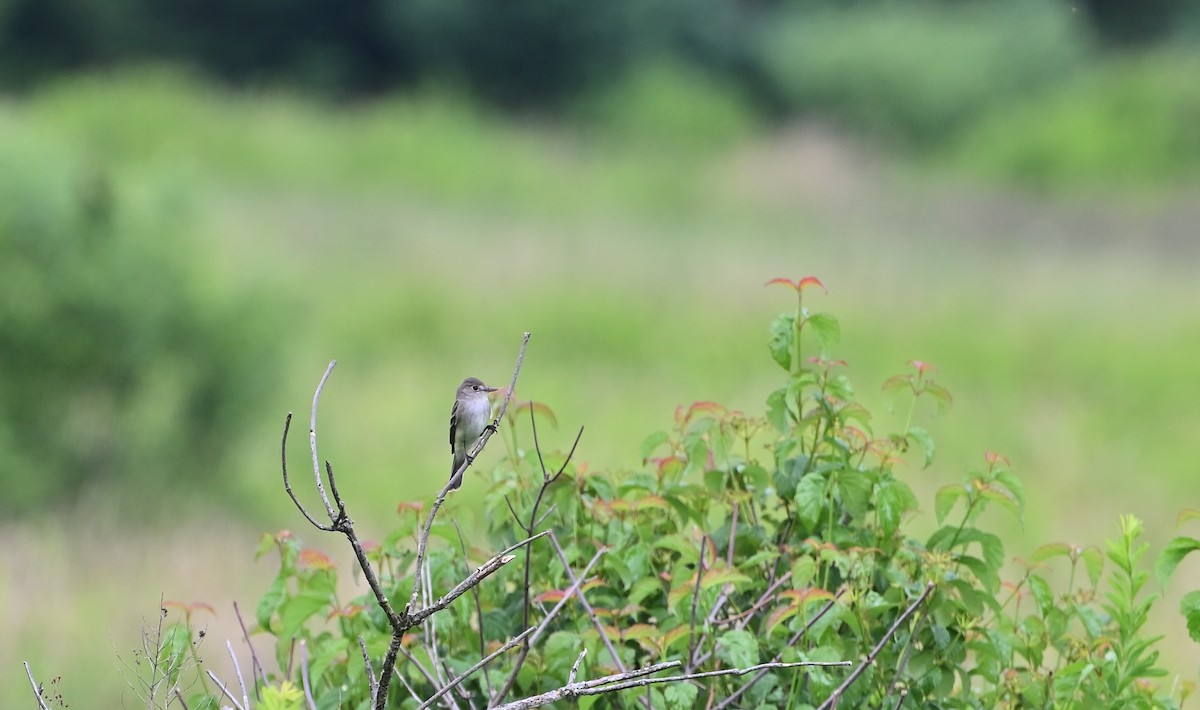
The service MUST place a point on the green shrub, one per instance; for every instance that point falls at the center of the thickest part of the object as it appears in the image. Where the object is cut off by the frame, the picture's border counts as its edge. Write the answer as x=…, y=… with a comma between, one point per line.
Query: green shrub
x=1131, y=123
x=914, y=72
x=743, y=539
x=118, y=360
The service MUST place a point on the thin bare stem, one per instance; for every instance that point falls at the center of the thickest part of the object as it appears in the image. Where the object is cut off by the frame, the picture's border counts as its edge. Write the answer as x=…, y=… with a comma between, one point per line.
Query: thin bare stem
x=225, y=691
x=287, y=485
x=575, y=666
x=462, y=544
x=695, y=603
x=482, y=662
x=733, y=697
x=637, y=678
x=573, y=589
x=362, y=644
x=312, y=440
x=308, y=696
x=256, y=667
x=836, y=695
x=37, y=691
x=586, y=606
x=237, y=668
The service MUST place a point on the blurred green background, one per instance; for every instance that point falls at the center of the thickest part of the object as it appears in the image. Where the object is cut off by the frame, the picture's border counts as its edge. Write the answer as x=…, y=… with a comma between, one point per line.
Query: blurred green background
x=202, y=203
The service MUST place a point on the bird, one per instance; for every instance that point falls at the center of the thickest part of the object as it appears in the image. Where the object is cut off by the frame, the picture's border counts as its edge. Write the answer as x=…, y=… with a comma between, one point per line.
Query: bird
x=468, y=419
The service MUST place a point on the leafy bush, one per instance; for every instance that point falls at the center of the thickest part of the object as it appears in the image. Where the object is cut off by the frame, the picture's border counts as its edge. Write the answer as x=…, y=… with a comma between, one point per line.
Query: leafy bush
x=915, y=72
x=116, y=358
x=1131, y=123
x=745, y=539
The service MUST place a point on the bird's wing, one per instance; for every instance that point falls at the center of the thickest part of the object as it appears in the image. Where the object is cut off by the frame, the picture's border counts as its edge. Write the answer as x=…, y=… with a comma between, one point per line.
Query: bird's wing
x=453, y=423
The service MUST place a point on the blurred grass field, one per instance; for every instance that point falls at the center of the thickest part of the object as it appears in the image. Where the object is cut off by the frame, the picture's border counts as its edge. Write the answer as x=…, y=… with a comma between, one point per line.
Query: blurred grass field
x=415, y=239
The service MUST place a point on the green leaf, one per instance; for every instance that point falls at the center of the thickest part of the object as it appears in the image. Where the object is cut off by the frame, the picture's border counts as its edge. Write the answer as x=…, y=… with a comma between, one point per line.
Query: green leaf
x=924, y=440
x=294, y=612
x=680, y=696
x=738, y=649
x=1093, y=559
x=1014, y=486
x=1041, y=593
x=652, y=443
x=782, y=340
x=561, y=649
x=1189, y=606
x=939, y=393
x=825, y=328
x=777, y=411
x=855, y=488
x=172, y=649
x=722, y=575
x=1170, y=558
x=893, y=499
x=269, y=604
x=810, y=498
x=1050, y=551
x=944, y=501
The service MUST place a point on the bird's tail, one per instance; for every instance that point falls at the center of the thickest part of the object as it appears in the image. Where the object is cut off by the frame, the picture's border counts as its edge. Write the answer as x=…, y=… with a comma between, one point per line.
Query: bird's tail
x=458, y=462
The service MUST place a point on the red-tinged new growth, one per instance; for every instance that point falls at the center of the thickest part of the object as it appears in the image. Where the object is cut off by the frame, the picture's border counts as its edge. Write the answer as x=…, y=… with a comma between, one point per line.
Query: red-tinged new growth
x=315, y=559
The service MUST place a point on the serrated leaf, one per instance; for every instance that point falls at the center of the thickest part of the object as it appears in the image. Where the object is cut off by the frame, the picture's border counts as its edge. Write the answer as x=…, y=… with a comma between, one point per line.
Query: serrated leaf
x=782, y=340
x=855, y=488
x=1001, y=499
x=825, y=328
x=943, y=501
x=777, y=411
x=1042, y=593
x=897, y=382
x=924, y=440
x=1172, y=555
x=1189, y=606
x=737, y=648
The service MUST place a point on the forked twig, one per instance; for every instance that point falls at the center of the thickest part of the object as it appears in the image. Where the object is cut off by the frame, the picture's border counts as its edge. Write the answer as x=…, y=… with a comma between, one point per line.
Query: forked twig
x=482, y=662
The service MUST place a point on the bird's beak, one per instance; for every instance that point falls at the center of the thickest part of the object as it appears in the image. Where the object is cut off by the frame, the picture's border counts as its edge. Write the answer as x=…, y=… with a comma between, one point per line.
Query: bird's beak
x=489, y=389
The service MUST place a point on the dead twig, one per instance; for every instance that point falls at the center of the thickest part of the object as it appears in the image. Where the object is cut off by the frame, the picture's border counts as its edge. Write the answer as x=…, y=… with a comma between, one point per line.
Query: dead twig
x=37, y=689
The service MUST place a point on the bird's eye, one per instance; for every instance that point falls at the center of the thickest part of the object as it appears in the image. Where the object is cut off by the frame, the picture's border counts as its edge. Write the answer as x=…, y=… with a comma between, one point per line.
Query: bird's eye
x=475, y=387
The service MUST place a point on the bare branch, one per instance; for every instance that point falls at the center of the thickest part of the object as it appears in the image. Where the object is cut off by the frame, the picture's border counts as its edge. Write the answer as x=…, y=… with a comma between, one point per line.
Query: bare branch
x=836, y=695
x=573, y=589
x=695, y=602
x=462, y=544
x=575, y=666
x=37, y=691
x=362, y=643
x=237, y=668
x=637, y=678
x=287, y=486
x=485, y=570
x=225, y=691
x=312, y=704
x=733, y=697
x=256, y=667
x=312, y=440
x=586, y=606
x=482, y=662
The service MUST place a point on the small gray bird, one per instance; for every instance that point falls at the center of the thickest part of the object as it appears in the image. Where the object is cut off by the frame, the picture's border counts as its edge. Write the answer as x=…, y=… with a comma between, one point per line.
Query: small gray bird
x=468, y=419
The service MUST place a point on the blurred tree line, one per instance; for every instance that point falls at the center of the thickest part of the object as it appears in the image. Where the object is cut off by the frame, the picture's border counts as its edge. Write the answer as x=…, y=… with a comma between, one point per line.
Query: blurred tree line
x=515, y=52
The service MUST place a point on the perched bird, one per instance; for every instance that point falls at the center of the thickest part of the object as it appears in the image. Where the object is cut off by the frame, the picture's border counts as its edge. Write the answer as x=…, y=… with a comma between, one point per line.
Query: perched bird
x=468, y=419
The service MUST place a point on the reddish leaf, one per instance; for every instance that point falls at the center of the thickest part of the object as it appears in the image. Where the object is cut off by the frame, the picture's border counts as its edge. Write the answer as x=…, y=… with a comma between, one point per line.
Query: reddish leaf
x=315, y=559
x=348, y=612
x=921, y=365
x=786, y=282
x=414, y=507
x=553, y=595
x=190, y=608
x=810, y=281
x=994, y=458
